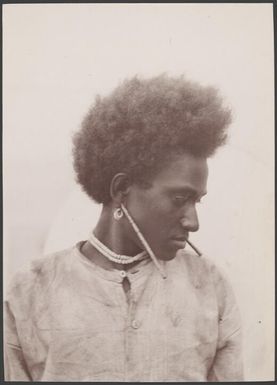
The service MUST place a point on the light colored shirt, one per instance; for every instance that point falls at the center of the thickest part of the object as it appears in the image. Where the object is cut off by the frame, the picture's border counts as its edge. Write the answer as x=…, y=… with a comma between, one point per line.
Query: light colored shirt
x=67, y=319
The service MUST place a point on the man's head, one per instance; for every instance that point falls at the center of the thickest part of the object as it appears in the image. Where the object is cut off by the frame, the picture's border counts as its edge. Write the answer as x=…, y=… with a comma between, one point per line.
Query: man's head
x=147, y=145
x=141, y=126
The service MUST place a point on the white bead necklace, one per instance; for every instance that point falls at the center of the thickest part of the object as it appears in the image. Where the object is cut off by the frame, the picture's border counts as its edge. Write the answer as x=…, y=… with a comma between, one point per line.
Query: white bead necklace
x=112, y=256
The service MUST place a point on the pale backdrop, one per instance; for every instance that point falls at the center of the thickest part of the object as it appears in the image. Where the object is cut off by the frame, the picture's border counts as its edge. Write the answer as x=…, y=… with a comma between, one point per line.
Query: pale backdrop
x=57, y=57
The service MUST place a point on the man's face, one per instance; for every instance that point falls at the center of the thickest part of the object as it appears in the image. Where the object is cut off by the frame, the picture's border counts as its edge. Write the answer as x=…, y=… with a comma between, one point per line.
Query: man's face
x=166, y=212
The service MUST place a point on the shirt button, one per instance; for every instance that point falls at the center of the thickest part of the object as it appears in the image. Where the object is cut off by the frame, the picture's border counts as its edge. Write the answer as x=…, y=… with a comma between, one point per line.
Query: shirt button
x=123, y=274
x=135, y=324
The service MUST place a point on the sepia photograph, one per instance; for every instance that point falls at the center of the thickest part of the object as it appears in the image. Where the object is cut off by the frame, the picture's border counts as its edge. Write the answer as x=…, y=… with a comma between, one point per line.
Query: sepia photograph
x=138, y=192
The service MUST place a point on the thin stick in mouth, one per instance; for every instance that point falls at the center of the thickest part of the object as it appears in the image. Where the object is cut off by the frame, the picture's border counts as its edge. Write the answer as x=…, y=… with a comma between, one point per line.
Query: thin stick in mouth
x=194, y=248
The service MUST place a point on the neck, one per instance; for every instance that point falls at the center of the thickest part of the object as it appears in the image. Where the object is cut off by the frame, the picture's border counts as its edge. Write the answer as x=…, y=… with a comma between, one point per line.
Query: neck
x=112, y=234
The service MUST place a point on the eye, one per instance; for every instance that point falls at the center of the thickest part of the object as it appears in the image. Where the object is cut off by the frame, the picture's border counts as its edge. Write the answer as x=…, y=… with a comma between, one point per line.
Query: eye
x=180, y=200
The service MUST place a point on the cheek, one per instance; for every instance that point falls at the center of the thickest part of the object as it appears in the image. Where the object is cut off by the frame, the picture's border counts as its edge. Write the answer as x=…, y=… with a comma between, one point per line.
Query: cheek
x=155, y=217
x=143, y=204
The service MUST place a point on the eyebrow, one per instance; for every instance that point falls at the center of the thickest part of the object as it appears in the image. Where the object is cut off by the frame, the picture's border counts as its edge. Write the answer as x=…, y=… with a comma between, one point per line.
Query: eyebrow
x=186, y=189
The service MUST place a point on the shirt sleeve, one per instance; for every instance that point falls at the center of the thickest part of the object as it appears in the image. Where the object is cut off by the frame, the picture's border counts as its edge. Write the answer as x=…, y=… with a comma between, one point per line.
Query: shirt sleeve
x=228, y=361
x=15, y=368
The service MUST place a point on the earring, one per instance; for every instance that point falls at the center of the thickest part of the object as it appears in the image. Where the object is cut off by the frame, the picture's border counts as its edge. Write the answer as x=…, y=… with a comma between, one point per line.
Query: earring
x=118, y=214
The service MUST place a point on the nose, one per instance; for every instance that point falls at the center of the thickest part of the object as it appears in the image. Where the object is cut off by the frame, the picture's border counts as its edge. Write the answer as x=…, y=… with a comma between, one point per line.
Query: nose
x=190, y=220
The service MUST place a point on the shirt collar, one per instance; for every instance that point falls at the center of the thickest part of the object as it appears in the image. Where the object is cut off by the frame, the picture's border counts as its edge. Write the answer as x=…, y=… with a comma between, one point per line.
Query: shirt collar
x=142, y=268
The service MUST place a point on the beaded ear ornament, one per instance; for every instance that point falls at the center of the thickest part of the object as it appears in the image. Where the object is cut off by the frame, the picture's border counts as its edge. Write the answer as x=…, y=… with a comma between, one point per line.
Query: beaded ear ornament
x=143, y=240
x=118, y=214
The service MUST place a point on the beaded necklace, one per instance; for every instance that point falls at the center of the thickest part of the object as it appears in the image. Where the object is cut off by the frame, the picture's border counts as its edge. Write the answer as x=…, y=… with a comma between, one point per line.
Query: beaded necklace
x=112, y=256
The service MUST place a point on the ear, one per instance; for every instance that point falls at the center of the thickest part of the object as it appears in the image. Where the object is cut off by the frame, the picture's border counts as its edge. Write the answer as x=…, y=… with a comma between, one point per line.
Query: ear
x=120, y=186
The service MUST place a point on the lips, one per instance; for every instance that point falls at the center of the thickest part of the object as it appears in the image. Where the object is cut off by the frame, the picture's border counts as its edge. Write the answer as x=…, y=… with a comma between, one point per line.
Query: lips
x=179, y=239
x=178, y=242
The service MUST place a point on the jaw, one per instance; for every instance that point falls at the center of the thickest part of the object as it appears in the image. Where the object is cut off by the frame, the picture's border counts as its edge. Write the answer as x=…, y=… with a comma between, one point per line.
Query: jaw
x=167, y=257
x=166, y=254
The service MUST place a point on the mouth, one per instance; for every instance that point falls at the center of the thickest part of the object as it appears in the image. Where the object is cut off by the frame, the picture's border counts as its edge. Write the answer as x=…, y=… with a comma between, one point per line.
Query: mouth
x=178, y=242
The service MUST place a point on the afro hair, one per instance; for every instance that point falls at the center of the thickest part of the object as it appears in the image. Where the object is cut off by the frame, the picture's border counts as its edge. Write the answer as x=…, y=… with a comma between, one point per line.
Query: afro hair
x=143, y=124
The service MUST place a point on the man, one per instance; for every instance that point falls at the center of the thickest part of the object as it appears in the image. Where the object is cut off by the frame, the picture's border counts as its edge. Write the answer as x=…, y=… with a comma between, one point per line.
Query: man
x=132, y=303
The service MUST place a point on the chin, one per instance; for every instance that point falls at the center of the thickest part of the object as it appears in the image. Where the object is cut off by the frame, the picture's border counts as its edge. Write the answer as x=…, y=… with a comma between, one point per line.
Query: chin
x=168, y=256
x=170, y=251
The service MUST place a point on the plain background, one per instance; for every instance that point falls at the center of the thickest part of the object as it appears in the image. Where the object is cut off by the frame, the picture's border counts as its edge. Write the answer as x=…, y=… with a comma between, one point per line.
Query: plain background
x=57, y=57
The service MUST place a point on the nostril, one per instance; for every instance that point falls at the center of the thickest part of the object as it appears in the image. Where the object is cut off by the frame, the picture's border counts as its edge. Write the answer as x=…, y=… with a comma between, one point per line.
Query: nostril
x=190, y=225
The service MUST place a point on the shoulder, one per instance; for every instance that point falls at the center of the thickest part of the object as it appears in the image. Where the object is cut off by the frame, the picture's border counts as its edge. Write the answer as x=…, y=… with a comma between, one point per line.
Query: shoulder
x=190, y=263
x=202, y=270
x=37, y=276
x=204, y=273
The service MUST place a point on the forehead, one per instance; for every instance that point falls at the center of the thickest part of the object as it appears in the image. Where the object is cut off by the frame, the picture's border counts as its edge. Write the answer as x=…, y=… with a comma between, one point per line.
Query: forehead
x=184, y=171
